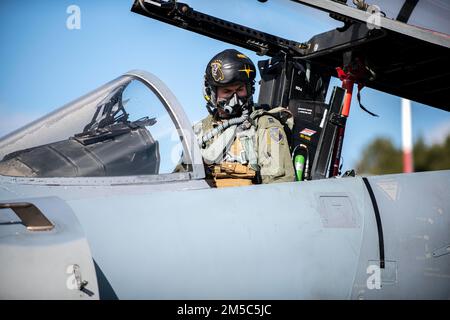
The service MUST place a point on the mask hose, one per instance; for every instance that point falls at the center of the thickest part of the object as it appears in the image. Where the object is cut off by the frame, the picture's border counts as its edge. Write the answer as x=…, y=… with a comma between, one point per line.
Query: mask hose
x=224, y=125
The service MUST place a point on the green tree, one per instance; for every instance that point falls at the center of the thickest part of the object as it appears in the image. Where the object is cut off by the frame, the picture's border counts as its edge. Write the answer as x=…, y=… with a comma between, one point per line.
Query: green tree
x=382, y=157
x=434, y=157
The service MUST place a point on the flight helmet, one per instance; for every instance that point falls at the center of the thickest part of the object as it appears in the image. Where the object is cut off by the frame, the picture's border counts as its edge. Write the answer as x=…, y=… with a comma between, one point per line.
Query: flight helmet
x=226, y=68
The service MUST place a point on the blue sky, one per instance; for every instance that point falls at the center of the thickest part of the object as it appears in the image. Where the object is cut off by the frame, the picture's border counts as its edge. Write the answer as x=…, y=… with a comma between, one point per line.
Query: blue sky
x=45, y=65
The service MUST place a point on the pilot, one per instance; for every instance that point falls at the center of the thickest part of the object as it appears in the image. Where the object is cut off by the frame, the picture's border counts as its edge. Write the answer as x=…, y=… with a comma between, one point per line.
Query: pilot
x=239, y=144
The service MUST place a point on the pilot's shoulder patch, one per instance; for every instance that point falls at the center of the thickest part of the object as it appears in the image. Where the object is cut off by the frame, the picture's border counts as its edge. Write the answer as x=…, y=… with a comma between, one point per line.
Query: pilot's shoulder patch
x=276, y=134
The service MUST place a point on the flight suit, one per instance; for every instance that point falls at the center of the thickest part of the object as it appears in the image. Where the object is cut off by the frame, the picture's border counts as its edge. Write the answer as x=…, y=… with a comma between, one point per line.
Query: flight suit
x=243, y=154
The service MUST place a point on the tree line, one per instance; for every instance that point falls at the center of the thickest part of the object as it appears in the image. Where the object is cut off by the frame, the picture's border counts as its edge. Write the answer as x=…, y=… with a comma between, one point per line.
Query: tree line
x=382, y=157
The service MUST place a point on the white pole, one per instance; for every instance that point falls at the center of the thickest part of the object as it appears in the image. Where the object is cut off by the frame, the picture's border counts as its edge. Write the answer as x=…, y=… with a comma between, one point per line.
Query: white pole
x=407, y=136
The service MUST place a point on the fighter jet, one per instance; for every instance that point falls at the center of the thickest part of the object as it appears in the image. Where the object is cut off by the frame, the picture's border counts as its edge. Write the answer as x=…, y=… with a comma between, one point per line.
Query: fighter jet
x=93, y=207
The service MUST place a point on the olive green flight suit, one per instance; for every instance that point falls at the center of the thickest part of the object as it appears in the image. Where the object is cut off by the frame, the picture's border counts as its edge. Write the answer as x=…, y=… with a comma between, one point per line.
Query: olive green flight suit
x=268, y=140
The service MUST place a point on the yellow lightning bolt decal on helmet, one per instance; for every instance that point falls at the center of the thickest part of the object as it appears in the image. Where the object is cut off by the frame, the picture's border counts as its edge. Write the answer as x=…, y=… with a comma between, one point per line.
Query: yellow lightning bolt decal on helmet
x=247, y=70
